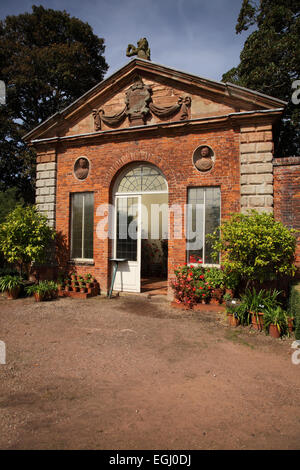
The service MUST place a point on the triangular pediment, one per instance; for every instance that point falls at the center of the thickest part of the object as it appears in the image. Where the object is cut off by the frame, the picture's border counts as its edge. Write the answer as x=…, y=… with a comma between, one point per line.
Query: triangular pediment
x=145, y=93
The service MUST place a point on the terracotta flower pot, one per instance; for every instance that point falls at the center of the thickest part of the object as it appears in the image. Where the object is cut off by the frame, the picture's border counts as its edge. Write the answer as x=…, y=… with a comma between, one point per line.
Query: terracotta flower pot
x=218, y=294
x=230, y=292
x=257, y=321
x=38, y=297
x=290, y=324
x=273, y=330
x=232, y=320
x=13, y=294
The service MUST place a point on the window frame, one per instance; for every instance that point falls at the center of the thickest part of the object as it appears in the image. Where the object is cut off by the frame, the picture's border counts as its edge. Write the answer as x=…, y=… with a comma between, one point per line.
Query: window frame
x=76, y=259
x=205, y=265
x=133, y=166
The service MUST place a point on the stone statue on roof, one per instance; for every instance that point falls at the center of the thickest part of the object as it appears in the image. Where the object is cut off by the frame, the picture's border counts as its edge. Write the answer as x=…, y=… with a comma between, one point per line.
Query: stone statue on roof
x=142, y=50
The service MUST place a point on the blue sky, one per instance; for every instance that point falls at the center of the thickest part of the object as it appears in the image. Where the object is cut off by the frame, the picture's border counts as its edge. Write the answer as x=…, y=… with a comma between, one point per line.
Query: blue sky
x=195, y=36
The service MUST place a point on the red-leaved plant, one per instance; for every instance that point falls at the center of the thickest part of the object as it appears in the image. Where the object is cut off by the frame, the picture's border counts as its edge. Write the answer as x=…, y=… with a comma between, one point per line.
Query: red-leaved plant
x=190, y=286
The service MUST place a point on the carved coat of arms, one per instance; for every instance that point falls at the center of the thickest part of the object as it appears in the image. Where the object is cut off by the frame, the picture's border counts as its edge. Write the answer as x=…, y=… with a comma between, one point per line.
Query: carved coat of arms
x=137, y=100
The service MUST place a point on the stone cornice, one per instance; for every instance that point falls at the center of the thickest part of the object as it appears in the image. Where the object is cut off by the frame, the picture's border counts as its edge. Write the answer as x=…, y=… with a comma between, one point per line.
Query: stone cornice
x=213, y=122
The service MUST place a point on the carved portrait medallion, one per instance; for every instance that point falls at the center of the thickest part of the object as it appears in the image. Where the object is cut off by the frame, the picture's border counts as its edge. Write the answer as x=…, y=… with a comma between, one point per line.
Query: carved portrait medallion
x=203, y=158
x=81, y=168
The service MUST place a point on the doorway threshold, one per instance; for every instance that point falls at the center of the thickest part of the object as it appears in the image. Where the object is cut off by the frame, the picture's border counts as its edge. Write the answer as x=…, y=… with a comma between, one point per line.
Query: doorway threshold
x=154, y=286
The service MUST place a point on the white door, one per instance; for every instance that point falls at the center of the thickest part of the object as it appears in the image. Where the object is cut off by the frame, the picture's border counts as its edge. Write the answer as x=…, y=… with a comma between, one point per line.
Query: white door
x=127, y=243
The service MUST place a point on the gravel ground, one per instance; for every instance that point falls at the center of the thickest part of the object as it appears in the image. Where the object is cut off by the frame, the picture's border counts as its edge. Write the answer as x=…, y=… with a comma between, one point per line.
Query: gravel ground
x=135, y=373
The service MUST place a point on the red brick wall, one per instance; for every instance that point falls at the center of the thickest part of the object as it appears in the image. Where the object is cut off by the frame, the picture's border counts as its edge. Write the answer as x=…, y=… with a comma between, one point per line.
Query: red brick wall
x=172, y=154
x=287, y=194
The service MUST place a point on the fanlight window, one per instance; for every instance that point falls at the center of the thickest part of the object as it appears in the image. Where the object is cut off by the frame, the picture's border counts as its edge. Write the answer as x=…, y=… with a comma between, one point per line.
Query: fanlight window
x=142, y=178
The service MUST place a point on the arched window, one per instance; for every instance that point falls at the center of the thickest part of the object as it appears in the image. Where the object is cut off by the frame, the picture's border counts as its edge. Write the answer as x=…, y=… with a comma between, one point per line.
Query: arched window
x=142, y=178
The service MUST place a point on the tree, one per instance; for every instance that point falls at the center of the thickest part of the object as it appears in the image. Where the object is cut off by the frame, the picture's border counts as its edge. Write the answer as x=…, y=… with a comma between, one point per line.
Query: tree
x=255, y=247
x=8, y=201
x=48, y=59
x=270, y=61
x=25, y=237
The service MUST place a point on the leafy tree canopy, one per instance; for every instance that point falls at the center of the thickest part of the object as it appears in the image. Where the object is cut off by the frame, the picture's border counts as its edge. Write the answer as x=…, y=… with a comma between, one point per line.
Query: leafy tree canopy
x=8, y=201
x=48, y=59
x=270, y=61
x=255, y=247
x=25, y=236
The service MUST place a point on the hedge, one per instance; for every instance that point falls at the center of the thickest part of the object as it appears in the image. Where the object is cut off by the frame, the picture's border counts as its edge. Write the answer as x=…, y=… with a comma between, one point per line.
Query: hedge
x=294, y=307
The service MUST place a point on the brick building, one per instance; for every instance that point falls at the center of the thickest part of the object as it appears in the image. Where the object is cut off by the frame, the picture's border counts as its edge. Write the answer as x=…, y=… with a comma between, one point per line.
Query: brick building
x=153, y=137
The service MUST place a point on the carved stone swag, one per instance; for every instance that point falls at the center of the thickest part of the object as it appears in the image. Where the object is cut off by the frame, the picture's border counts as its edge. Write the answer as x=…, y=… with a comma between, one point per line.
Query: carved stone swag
x=138, y=105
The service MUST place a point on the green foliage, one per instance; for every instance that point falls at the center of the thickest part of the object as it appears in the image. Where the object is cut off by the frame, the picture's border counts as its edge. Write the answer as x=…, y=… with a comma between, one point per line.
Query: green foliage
x=277, y=317
x=9, y=282
x=88, y=278
x=294, y=307
x=48, y=59
x=46, y=289
x=226, y=297
x=8, y=201
x=270, y=61
x=190, y=286
x=215, y=277
x=8, y=270
x=255, y=247
x=25, y=236
x=253, y=301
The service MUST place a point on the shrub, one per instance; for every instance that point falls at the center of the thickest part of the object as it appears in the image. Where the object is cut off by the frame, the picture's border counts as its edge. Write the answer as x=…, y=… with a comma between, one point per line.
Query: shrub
x=294, y=307
x=10, y=282
x=255, y=247
x=278, y=317
x=215, y=277
x=253, y=301
x=25, y=236
x=190, y=285
x=46, y=289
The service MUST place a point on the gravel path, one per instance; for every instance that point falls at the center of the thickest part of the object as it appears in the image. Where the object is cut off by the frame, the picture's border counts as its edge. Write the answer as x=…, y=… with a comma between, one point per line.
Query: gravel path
x=135, y=373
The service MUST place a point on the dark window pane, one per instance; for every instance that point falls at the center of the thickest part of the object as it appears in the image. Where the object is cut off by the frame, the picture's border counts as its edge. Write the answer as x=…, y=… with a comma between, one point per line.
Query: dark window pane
x=88, y=227
x=76, y=230
x=127, y=228
x=201, y=218
x=82, y=222
x=212, y=219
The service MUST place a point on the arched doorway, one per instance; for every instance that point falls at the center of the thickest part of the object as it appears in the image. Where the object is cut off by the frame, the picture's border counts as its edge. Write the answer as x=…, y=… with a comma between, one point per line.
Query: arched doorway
x=140, y=229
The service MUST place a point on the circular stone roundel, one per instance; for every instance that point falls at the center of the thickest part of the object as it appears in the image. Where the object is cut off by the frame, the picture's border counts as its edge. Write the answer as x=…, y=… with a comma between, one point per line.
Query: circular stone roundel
x=203, y=158
x=81, y=168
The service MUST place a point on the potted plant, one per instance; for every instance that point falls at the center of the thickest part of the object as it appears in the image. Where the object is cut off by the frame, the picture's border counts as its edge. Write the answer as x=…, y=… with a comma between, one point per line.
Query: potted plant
x=67, y=283
x=61, y=283
x=257, y=303
x=52, y=289
x=233, y=317
x=290, y=320
x=215, y=279
x=11, y=285
x=44, y=290
x=231, y=281
x=275, y=322
x=37, y=291
x=230, y=302
x=82, y=286
x=74, y=283
x=88, y=281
